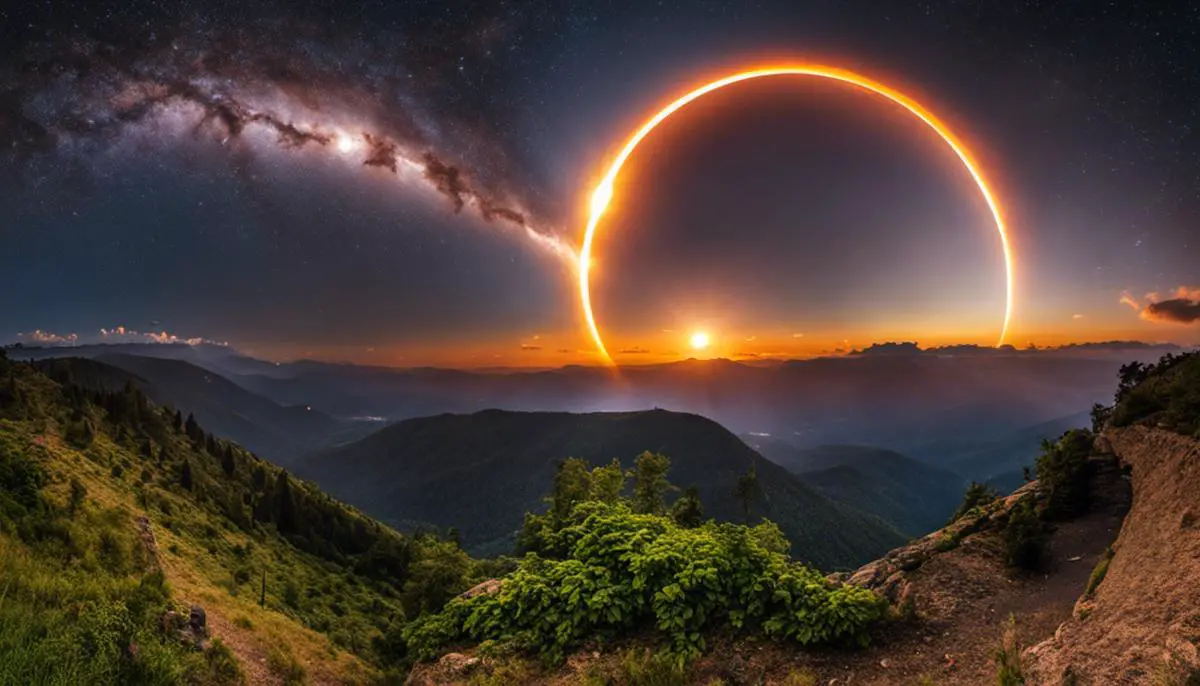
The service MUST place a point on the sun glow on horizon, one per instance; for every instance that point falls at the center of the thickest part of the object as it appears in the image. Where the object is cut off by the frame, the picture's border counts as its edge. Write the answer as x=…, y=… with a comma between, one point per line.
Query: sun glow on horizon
x=603, y=194
x=699, y=341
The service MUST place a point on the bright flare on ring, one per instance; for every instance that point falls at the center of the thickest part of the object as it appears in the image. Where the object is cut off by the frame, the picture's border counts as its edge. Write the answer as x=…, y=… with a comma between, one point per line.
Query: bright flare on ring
x=603, y=194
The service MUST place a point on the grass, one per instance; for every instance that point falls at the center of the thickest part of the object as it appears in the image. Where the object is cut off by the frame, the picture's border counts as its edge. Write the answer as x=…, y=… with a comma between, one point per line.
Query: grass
x=801, y=677
x=1098, y=573
x=649, y=668
x=1008, y=656
x=80, y=600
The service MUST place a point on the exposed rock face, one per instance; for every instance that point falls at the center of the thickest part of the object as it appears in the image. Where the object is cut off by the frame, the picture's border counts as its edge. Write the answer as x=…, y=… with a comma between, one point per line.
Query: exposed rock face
x=451, y=668
x=489, y=587
x=889, y=574
x=191, y=630
x=1142, y=625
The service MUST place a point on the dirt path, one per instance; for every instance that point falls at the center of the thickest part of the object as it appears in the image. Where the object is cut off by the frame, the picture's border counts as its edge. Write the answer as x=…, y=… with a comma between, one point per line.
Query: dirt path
x=964, y=596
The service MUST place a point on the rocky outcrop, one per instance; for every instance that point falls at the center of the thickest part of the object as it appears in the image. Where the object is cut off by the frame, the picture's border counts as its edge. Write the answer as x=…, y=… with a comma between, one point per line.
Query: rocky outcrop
x=191, y=630
x=889, y=574
x=1141, y=624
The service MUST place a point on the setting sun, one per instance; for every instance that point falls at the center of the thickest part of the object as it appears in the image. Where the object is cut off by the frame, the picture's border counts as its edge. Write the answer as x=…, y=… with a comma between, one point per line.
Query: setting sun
x=699, y=340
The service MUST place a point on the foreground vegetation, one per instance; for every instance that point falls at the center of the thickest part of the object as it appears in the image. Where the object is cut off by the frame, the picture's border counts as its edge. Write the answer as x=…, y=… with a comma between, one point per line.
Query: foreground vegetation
x=114, y=511
x=607, y=565
x=1165, y=394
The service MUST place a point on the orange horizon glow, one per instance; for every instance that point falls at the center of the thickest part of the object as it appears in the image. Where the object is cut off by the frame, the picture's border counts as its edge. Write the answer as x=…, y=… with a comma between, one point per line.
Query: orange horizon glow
x=603, y=193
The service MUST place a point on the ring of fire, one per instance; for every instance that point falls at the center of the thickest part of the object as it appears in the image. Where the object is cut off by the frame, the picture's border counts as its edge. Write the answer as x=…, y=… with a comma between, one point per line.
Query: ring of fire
x=604, y=190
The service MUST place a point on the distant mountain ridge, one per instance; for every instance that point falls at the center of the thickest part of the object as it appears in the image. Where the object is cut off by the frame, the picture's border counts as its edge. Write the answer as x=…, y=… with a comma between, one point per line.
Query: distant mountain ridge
x=481, y=472
x=912, y=495
x=963, y=396
x=271, y=430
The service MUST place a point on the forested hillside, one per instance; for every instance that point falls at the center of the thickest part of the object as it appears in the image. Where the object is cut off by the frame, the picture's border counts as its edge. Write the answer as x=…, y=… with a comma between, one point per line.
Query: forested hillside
x=481, y=473
x=117, y=516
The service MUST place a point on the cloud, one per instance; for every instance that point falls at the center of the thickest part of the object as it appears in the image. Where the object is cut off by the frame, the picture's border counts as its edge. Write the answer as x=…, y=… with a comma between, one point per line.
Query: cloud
x=528, y=347
x=1128, y=299
x=633, y=351
x=120, y=334
x=1077, y=316
x=797, y=335
x=563, y=351
x=48, y=337
x=1179, y=310
x=747, y=354
x=1182, y=307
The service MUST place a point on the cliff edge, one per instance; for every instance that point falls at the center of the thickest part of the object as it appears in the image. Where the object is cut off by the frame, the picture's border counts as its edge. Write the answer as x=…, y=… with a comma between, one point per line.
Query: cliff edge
x=1141, y=624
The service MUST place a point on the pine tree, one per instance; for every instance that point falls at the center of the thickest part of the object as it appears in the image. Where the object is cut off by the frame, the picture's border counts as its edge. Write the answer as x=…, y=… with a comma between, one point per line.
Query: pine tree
x=285, y=505
x=185, y=475
x=227, y=462
x=746, y=490
x=650, y=483
x=572, y=483
x=192, y=429
x=608, y=482
x=688, y=511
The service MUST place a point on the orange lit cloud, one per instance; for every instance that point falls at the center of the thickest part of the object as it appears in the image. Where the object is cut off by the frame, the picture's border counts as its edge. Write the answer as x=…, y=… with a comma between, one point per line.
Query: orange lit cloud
x=1128, y=299
x=1182, y=307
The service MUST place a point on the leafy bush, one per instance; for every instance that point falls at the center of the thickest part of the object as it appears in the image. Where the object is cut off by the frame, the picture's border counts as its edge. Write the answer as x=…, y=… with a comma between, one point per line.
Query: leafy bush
x=1063, y=475
x=976, y=496
x=1024, y=536
x=1167, y=393
x=624, y=571
x=1008, y=656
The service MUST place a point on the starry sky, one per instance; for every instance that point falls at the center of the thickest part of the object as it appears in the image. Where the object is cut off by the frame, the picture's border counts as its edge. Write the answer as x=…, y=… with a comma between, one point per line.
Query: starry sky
x=407, y=183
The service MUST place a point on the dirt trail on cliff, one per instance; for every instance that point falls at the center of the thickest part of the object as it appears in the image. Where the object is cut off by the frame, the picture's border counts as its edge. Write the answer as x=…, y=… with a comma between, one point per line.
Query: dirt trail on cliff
x=1143, y=624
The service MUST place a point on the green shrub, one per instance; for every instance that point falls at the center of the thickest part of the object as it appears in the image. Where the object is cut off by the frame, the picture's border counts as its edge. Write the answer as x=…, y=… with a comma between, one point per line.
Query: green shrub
x=1099, y=572
x=285, y=665
x=801, y=677
x=223, y=667
x=649, y=668
x=1024, y=536
x=976, y=497
x=1008, y=656
x=626, y=570
x=1062, y=471
x=1166, y=393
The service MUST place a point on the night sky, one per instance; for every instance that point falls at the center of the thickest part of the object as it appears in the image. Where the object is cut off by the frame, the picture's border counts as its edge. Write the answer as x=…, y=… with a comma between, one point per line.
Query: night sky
x=406, y=183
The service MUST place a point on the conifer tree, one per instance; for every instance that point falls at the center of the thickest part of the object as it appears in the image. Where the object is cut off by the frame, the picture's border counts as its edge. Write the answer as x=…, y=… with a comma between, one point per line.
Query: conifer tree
x=185, y=475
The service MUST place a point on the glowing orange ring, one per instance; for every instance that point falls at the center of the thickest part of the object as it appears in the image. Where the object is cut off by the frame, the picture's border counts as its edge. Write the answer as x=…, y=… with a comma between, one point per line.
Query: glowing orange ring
x=604, y=190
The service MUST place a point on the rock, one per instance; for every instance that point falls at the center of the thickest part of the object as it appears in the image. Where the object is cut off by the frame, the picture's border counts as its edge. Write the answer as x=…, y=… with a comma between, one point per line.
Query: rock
x=489, y=587
x=198, y=621
x=885, y=663
x=869, y=575
x=1102, y=445
x=171, y=622
x=457, y=664
x=910, y=559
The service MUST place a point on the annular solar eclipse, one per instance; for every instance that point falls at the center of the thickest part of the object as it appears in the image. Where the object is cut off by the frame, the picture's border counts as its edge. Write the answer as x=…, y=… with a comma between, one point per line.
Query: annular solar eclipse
x=603, y=193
